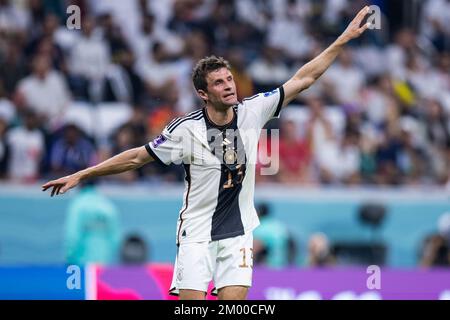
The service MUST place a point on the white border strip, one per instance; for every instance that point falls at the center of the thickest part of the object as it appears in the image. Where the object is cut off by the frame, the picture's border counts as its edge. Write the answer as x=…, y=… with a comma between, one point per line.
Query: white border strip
x=90, y=282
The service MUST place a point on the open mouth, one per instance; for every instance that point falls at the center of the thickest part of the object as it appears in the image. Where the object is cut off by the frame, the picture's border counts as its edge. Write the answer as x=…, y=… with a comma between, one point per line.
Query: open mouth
x=229, y=95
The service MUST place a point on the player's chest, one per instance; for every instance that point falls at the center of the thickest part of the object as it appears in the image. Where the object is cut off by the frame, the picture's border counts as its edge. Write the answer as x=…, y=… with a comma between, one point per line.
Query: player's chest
x=227, y=146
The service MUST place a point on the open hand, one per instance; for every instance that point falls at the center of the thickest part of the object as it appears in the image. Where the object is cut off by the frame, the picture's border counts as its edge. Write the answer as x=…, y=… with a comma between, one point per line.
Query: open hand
x=61, y=185
x=354, y=30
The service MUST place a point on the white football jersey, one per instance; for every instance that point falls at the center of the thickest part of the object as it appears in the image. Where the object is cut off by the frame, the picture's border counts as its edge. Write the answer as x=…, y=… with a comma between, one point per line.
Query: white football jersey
x=220, y=167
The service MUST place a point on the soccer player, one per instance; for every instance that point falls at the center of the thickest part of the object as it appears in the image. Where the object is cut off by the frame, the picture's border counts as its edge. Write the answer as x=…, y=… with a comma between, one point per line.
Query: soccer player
x=214, y=230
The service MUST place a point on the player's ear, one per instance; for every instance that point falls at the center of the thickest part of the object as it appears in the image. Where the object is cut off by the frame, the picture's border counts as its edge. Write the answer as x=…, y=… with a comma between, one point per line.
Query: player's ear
x=202, y=94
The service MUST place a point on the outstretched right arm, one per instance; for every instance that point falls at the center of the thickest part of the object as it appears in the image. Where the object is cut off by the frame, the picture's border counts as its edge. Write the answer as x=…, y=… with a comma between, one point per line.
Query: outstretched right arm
x=125, y=161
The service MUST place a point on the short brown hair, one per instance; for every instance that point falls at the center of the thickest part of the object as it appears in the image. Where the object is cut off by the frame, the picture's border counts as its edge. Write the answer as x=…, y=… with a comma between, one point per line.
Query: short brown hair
x=205, y=66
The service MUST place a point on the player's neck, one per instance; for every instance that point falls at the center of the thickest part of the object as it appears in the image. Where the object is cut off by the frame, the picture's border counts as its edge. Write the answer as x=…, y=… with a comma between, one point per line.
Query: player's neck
x=219, y=117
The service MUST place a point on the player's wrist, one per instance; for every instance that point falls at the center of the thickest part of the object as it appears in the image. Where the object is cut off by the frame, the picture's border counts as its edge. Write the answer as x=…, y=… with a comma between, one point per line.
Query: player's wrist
x=341, y=40
x=81, y=175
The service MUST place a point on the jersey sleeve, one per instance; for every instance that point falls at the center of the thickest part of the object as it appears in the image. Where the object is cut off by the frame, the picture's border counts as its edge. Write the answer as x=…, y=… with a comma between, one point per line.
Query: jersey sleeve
x=266, y=105
x=171, y=146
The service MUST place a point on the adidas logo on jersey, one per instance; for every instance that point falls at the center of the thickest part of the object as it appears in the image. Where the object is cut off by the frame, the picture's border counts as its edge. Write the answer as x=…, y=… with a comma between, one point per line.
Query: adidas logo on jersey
x=226, y=142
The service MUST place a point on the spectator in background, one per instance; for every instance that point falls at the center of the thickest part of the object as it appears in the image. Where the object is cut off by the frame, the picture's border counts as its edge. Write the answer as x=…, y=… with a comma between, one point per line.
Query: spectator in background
x=350, y=158
x=12, y=66
x=122, y=84
x=149, y=33
x=27, y=147
x=435, y=17
x=438, y=137
x=134, y=250
x=438, y=133
x=223, y=14
x=388, y=150
x=396, y=54
x=12, y=17
x=7, y=108
x=256, y=13
x=45, y=92
x=92, y=233
x=121, y=81
x=318, y=125
x=295, y=156
x=435, y=251
x=421, y=77
x=442, y=78
x=244, y=83
x=411, y=161
x=129, y=135
x=319, y=253
x=378, y=99
x=159, y=70
x=335, y=160
x=368, y=148
x=386, y=156
x=268, y=70
x=89, y=61
x=112, y=34
x=123, y=139
x=139, y=125
x=46, y=47
x=272, y=240
x=344, y=81
x=288, y=30
x=165, y=78
x=72, y=151
x=125, y=84
x=4, y=148
x=196, y=47
x=44, y=42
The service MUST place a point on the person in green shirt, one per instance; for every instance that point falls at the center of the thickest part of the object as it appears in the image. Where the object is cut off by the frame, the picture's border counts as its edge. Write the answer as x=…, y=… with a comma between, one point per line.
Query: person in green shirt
x=92, y=228
x=272, y=239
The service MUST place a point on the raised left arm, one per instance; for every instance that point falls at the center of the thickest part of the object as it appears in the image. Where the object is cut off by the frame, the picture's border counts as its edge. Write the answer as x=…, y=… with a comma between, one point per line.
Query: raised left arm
x=311, y=71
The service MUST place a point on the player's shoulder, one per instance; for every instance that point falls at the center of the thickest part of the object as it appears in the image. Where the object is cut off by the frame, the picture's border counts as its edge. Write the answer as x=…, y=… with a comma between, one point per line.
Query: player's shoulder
x=261, y=95
x=184, y=120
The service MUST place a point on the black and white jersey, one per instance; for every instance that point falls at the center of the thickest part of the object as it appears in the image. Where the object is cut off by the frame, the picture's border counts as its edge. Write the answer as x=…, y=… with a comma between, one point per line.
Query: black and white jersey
x=220, y=167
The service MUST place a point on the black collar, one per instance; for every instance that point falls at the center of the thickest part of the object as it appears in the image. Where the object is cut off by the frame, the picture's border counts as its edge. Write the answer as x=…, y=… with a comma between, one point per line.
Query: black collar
x=220, y=127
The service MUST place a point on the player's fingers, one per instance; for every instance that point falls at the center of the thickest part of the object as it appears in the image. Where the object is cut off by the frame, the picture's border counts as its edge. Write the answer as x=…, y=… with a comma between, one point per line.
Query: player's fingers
x=53, y=191
x=64, y=189
x=67, y=186
x=361, y=14
x=48, y=185
x=364, y=27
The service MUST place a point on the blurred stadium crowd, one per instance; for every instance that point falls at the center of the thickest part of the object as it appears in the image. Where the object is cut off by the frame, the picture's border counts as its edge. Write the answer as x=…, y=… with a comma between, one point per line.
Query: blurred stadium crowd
x=71, y=98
